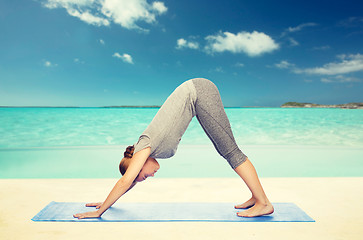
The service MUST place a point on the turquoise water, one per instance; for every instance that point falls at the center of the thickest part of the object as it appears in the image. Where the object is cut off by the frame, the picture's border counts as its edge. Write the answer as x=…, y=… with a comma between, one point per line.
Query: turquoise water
x=59, y=142
x=45, y=127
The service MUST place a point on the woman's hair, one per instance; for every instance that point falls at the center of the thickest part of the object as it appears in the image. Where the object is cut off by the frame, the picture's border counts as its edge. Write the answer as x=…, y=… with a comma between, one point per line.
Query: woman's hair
x=125, y=161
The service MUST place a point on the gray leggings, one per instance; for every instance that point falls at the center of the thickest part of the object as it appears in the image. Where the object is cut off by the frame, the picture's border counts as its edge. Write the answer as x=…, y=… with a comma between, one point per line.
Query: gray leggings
x=213, y=119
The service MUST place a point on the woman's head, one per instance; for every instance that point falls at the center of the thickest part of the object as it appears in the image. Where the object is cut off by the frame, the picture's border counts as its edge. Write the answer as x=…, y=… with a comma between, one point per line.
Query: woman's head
x=150, y=167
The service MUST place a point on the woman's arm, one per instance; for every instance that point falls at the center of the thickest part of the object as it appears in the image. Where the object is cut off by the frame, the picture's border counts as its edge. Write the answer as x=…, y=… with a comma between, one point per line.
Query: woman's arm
x=122, y=185
x=99, y=204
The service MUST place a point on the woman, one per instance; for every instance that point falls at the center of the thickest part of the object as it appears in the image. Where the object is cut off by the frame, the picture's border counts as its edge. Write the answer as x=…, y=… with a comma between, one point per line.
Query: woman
x=197, y=97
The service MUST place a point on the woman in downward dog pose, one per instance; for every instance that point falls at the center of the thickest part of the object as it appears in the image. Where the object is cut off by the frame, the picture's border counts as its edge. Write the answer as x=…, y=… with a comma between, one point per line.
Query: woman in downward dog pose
x=196, y=97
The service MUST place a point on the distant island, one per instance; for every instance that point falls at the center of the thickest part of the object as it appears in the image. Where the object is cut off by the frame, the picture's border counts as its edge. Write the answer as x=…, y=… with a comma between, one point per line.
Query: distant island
x=314, y=105
x=151, y=106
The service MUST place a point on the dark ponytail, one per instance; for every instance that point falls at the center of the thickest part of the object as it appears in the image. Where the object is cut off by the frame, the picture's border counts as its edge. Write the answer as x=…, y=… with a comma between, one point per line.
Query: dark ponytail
x=124, y=164
x=129, y=152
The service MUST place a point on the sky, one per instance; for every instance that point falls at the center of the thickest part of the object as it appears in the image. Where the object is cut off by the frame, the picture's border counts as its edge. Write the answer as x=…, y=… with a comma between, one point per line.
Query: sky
x=93, y=53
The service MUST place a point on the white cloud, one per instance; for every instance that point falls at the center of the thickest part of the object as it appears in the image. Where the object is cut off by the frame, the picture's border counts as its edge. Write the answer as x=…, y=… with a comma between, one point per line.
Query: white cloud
x=87, y=17
x=182, y=43
x=326, y=47
x=61, y=3
x=284, y=64
x=253, y=44
x=49, y=64
x=351, y=22
x=340, y=79
x=217, y=69
x=77, y=60
x=293, y=42
x=348, y=64
x=239, y=64
x=102, y=12
x=124, y=57
x=160, y=7
x=127, y=13
x=301, y=26
x=297, y=28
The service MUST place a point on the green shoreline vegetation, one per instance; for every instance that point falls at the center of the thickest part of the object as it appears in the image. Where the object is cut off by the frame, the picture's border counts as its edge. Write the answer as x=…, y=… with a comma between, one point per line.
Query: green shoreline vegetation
x=314, y=105
x=152, y=106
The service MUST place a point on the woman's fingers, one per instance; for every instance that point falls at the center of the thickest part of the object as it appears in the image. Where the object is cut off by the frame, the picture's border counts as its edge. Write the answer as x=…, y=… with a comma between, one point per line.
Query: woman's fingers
x=78, y=215
x=94, y=214
x=93, y=204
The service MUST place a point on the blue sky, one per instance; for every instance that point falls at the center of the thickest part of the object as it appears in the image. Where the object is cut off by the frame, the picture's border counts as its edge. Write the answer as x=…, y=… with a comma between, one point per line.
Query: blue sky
x=108, y=52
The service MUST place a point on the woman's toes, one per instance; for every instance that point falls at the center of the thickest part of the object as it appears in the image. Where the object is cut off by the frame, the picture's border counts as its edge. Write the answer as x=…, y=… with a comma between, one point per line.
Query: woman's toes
x=241, y=214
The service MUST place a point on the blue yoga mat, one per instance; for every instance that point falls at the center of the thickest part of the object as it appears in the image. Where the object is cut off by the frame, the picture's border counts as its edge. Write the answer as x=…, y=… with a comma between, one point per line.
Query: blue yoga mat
x=168, y=212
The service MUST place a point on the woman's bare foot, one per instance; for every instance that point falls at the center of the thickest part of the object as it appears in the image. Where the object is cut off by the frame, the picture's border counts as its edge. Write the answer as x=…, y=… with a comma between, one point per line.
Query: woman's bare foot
x=258, y=209
x=247, y=204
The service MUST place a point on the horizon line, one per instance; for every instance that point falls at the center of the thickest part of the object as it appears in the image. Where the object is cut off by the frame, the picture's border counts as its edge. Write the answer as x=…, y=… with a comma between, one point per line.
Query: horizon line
x=136, y=106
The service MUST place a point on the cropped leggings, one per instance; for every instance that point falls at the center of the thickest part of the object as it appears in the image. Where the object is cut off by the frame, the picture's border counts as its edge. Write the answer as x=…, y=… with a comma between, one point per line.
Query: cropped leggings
x=213, y=119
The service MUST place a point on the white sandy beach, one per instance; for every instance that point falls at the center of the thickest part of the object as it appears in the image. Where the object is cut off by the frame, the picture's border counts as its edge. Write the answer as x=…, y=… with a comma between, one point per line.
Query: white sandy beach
x=334, y=203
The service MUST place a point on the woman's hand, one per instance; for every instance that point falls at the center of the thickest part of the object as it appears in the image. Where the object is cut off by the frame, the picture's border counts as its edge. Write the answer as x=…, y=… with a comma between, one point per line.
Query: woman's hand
x=94, y=214
x=97, y=205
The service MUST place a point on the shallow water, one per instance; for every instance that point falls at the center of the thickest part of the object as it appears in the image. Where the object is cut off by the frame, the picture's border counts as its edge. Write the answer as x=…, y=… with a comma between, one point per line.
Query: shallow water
x=191, y=161
x=44, y=127
x=89, y=142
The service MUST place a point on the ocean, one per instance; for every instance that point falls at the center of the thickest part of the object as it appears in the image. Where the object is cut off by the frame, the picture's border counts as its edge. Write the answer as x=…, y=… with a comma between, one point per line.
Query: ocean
x=44, y=137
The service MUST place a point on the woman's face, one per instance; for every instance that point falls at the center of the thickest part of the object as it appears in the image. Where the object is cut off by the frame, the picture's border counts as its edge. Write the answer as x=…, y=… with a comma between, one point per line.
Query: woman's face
x=150, y=167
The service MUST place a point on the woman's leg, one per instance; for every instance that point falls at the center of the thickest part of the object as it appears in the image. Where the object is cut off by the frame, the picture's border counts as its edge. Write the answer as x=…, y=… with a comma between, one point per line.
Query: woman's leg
x=259, y=201
x=213, y=119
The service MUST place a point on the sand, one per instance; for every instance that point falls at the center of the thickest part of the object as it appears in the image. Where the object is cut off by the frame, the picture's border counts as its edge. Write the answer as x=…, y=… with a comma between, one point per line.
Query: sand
x=334, y=203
